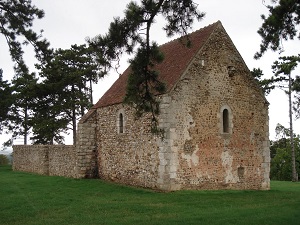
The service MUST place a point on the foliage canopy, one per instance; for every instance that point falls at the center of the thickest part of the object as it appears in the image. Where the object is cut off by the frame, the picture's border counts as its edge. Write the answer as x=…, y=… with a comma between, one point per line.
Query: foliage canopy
x=280, y=24
x=16, y=19
x=281, y=159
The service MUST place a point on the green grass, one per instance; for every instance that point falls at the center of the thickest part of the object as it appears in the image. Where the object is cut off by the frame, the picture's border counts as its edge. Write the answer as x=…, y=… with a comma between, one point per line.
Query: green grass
x=32, y=199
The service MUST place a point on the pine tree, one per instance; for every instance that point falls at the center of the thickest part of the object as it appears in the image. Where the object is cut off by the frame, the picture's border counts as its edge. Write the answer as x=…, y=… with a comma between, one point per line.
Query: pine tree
x=281, y=24
x=16, y=19
x=6, y=101
x=49, y=123
x=131, y=35
x=20, y=114
x=267, y=85
x=283, y=69
x=65, y=93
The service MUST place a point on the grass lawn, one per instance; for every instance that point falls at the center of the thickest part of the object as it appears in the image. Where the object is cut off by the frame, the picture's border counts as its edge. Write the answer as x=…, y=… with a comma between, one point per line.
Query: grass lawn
x=33, y=199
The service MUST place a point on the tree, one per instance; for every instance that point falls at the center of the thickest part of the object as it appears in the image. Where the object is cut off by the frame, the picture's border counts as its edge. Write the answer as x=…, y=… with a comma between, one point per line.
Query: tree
x=16, y=18
x=5, y=101
x=65, y=93
x=283, y=70
x=296, y=88
x=48, y=122
x=3, y=160
x=267, y=85
x=131, y=35
x=280, y=24
x=280, y=154
x=21, y=114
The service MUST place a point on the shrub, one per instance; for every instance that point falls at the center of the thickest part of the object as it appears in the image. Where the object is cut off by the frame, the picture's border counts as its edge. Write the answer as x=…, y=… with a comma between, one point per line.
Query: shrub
x=4, y=160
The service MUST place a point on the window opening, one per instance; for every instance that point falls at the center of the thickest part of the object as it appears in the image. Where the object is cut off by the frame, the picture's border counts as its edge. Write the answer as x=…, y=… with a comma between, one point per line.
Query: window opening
x=225, y=121
x=121, y=123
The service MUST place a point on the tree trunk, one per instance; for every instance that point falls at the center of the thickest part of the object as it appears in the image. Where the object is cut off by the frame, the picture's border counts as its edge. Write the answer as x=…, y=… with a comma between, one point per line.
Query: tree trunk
x=74, y=127
x=25, y=125
x=91, y=92
x=74, y=117
x=82, y=108
x=294, y=171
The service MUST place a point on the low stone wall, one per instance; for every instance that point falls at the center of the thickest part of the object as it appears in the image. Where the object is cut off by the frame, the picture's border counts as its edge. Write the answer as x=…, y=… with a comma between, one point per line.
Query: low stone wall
x=53, y=160
x=31, y=158
x=62, y=160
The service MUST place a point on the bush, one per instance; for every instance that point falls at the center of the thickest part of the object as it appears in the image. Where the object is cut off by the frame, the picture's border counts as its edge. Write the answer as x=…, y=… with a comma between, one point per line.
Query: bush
x=4, y=160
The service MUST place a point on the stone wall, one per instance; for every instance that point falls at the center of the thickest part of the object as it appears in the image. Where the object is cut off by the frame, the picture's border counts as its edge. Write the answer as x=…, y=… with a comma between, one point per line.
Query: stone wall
x=62, y=160
x=87, y=166
x=78, y=161
x=128, y=157
x=197, y=153
x=53, y=160
x=31, y=158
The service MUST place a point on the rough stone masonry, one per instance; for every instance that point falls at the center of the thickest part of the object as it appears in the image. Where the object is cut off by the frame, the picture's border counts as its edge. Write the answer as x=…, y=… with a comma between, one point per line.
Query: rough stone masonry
x=214, y=115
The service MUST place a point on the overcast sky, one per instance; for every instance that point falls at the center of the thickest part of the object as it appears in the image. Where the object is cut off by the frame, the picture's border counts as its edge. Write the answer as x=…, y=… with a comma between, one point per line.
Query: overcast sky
x=68, y=22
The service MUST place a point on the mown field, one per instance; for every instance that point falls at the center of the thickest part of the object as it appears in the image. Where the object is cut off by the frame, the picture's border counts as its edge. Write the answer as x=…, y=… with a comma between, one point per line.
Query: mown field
x=32, y=199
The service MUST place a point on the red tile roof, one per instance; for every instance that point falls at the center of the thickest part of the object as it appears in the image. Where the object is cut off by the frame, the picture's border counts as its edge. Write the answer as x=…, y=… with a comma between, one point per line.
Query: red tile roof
x=177, y=57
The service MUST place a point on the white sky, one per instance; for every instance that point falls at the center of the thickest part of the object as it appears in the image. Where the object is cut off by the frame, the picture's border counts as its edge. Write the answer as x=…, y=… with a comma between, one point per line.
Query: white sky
x=68, y=22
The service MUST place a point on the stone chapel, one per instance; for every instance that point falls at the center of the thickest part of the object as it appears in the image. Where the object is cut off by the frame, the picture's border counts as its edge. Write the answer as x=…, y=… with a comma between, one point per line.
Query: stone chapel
x=214, y=115
x=215, y=118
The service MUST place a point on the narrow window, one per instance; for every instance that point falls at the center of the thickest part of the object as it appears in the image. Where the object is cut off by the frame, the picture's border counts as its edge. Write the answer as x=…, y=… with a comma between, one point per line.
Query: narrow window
x=225, y=121
x=121, y=124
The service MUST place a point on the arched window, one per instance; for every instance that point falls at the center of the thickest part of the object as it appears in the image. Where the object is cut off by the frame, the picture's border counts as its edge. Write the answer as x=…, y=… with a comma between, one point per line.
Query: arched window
x=225, y=117
x=225, y=123
x=121, y=123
